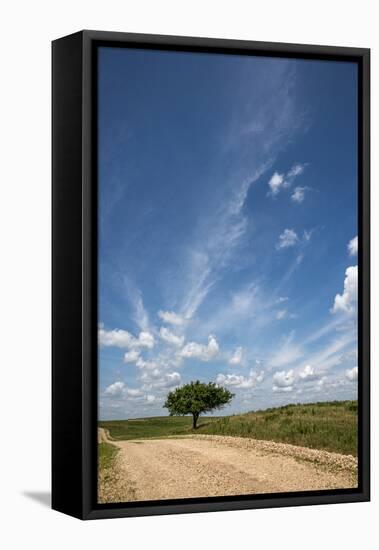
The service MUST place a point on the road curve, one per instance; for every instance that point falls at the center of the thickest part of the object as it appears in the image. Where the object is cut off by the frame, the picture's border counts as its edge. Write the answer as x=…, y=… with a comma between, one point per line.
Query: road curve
x=203, y=466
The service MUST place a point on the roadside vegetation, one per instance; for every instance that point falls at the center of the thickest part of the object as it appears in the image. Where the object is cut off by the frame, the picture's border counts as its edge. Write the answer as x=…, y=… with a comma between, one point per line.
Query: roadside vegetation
x=106, y=456
x=331, y=426
x=108, y=475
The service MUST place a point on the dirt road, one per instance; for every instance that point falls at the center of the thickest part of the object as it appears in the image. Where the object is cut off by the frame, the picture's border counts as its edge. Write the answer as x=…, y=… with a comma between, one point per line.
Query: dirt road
x=198, y=466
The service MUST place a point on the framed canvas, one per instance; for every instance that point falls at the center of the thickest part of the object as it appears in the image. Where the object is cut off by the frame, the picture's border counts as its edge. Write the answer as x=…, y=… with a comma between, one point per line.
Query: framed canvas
x=210, y=275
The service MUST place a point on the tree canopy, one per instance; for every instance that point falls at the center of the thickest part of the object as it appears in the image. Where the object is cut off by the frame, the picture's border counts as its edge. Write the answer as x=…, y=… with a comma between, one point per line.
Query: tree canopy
x=197, y=398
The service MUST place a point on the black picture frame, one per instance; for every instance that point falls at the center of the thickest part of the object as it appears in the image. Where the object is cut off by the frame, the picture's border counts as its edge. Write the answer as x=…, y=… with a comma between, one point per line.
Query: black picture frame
x=74, y=273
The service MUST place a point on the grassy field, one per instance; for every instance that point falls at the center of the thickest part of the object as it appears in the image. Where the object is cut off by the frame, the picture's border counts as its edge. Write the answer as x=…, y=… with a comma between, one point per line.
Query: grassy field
x=328, y=425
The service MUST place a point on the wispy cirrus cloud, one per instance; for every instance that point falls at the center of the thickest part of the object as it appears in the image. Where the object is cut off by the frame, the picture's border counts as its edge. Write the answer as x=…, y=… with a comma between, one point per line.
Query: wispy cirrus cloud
x=139, y=313
x=273, y=122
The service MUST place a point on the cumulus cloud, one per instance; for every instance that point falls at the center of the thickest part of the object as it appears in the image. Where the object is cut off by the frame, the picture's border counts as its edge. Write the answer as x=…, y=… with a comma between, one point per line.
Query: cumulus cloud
x=147, y=365
x=131, y=356
x=146, y=339
x=353, y=246
x=279, y=181
x=236, y=358
x=157, y=379
x=199, y=351
x=352, y=374
x=283, y=381
x=150, y=399
x=123, y=339
x=287, y=238
x=308, y=373
x=118, y=390
x=347, y=301
x=172, y=379
x=299, y=194
x=275, y=183
x=115, y=390
x=171, y=318
x=170, y=337
x=134, y=392
x=240, y=381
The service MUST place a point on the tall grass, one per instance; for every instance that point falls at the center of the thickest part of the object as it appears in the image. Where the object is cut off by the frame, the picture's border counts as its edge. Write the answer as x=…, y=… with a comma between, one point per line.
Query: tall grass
x=331, y=426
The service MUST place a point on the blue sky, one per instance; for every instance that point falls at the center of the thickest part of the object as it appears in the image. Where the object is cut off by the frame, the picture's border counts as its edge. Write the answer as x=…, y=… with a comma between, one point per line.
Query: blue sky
x=227, y=229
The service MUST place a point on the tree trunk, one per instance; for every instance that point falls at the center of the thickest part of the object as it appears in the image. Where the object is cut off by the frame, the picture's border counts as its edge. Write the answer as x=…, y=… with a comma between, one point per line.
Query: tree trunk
x=195, y=416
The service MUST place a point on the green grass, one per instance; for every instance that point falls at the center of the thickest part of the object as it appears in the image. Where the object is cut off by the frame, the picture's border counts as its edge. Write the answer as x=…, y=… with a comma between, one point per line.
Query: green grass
x=155, y=427
x=106, y=455
x=329, y=425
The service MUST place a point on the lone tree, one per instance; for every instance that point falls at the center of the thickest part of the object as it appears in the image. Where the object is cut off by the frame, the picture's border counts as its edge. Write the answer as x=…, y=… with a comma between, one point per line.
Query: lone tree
x=197, y=398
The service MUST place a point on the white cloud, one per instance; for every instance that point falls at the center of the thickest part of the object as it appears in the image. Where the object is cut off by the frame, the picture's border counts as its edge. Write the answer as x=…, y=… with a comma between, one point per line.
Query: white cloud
x=150, y=399
x=353, y=246
x=352, y=374
x=172, y=379
x=118, y=390
x=279, y=181
x=123, y=339
x=296, y=170
x=308, y=373
x=285, y=389
x=134, y=392
x=329, y=355
x=275, y=183
x=146, y=339
x=307, y=235
x=347, y=301
x=281, y=314
x=147, y=365
x=118, y=338
x=161, y=380
x=115, y=390
x=299, y=194
x=287, y=238
x=240, y=381
x=131, y=356
x=282, y=299
x=283, y=381
x=171, y=318
x=237, y=357
x=170, y=337
x=199, y=351
x=139, y=314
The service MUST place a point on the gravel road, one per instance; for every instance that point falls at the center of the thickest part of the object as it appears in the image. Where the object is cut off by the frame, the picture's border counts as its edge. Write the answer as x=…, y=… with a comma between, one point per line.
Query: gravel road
x=198, y=466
